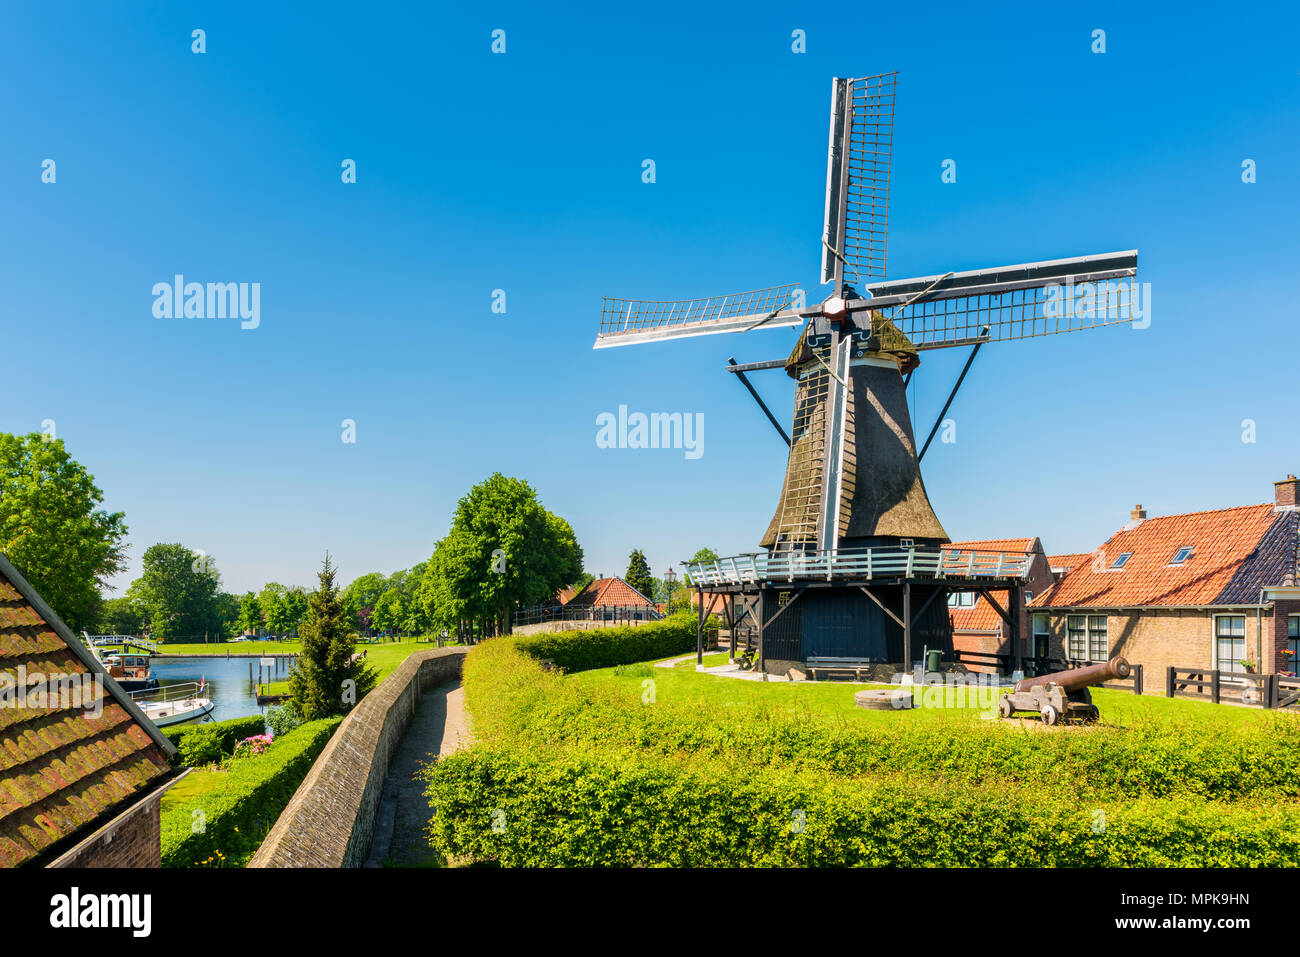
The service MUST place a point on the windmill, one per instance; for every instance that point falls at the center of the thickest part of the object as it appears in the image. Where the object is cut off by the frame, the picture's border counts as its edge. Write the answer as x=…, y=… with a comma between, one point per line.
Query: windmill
x=853, y=491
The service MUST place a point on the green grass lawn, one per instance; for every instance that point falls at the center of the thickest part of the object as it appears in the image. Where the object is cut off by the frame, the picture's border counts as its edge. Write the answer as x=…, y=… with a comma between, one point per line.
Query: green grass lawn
x=197, y=783
x=828, y=698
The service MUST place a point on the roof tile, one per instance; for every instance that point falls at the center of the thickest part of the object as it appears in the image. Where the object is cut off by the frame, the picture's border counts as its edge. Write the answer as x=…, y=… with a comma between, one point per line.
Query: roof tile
x=1235, y=552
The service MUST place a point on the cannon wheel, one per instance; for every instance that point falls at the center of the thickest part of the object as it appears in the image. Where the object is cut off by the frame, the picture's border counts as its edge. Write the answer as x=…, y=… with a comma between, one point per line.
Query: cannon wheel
x=1004, y=707
x=1051, y=717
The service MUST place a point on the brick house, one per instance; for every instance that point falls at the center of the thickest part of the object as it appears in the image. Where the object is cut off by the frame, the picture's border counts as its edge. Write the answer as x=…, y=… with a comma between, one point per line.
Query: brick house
x=1215, y=590
x=82, y=770
x=976, y=625
x=611, y=599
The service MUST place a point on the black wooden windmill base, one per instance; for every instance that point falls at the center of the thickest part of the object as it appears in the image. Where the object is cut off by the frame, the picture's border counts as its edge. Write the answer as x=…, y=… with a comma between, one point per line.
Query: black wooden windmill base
x=868, y=629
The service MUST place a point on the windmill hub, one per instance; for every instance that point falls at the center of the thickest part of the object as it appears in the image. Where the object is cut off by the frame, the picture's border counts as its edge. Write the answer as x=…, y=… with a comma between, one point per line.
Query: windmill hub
x=854, y=541
x=835, y=307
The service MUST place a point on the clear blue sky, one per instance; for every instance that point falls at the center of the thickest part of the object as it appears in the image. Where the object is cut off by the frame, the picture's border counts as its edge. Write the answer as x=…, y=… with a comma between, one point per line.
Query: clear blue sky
x=523, y=172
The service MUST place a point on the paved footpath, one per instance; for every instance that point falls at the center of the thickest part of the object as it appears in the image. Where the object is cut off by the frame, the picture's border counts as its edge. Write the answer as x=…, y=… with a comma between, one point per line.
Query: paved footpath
x=438, y=727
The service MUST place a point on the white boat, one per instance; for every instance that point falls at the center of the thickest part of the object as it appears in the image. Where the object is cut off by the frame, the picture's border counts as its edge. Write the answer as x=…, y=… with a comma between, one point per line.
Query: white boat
x=172, y=704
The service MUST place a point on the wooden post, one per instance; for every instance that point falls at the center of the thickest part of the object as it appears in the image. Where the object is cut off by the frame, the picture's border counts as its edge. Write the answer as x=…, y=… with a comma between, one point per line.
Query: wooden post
x=1137, y=679
x=699, y=629
x=1013, y=626
x=762, y=621
x=1169, y=682
x=907, y=627
x=1272, y=692
x=1214, y=686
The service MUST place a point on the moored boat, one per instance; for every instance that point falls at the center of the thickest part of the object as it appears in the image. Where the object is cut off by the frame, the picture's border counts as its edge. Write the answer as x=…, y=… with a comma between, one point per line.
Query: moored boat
x=174, y=703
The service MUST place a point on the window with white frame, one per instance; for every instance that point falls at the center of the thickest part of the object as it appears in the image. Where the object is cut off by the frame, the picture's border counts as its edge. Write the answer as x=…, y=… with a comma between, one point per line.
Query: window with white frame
x=1230, y=642
x=1293, y=643
x=1076, y=637
x=1042, y=635
x=961, y=599
x=1098, y=642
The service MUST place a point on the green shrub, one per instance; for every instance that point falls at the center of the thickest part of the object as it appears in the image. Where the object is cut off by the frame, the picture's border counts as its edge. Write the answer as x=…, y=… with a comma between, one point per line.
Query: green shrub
x=235, y=818
x=230, y=732
x=607, y=647
x=602, y=809
x=283, y=718
x=200, y=747
x=514, y=701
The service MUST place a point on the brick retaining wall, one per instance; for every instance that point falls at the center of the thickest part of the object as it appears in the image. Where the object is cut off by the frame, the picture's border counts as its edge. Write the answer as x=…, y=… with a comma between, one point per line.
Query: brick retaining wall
x=330, y=820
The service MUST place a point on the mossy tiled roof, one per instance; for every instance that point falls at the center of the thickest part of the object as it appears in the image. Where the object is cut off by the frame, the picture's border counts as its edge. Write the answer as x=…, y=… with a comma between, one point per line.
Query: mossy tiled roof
x=63, y=763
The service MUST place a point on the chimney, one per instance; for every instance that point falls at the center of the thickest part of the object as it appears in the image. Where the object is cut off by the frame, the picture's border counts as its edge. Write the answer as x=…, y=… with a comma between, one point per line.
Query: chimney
x=1135, y=518
x=1284, y=493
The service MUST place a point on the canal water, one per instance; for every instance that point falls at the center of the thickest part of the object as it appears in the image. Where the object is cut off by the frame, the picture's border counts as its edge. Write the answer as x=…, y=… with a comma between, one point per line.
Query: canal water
x=227, y=681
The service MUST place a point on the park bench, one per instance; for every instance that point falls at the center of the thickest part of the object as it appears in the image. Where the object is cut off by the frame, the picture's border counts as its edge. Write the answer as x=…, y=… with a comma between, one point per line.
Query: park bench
x=854, y=666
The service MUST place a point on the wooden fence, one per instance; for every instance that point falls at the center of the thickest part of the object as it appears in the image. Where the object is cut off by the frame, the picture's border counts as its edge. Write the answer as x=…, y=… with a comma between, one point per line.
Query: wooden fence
x=1233, y=687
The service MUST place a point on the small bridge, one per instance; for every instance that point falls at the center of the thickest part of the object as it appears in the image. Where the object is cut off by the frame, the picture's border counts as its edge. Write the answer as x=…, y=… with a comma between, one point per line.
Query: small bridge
x=126, y=641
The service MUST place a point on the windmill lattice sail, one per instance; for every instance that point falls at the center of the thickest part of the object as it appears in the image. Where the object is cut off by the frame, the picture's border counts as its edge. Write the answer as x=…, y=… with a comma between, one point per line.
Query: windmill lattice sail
x=857, y=179
x=626, y=322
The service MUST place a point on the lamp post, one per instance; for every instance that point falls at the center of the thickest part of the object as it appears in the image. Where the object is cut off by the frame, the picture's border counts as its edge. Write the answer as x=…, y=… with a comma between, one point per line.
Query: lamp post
x=670, y=579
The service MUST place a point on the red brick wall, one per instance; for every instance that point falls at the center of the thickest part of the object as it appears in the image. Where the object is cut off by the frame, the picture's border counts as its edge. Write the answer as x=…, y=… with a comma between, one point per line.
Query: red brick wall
x=1157, y=639
x=132, y=839
x=1275, y=637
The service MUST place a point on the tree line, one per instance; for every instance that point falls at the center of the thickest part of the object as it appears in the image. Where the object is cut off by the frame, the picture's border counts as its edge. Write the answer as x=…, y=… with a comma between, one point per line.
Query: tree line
x=503, y=550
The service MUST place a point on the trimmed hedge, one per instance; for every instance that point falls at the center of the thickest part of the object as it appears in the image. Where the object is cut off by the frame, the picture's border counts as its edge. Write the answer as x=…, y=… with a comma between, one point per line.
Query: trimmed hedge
x=606, y=809
x=231, y=732
x=517, y=703
x=580, y=772
x=606, y=647
x=236, y=818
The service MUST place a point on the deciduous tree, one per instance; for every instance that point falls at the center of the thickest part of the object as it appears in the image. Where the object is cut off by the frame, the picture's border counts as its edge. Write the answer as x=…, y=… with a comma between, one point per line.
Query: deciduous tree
x=52, y=527
x=178, y=592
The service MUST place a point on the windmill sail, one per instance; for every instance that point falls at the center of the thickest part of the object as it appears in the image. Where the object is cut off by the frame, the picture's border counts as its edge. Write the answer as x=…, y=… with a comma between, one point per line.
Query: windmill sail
x=629, y=321
x=857, y=179
x=1013, y=302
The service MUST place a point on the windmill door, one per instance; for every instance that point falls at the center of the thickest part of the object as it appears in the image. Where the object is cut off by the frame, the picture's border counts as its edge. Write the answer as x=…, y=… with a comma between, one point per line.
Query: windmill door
x=832, y=627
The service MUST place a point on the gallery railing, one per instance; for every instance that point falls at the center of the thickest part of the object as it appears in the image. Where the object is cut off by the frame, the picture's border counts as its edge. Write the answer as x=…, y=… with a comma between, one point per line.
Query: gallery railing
x=860, y=564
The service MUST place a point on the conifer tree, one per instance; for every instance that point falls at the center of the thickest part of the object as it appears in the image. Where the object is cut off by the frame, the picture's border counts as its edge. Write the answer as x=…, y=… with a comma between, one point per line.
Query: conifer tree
x=326, y=679
x=638, y=574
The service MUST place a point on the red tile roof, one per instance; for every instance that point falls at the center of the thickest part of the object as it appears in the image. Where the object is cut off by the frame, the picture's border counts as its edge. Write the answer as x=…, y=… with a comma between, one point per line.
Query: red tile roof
x=606, y=593
x=1235, y=552
x=996, y=545
x=61, y=765
x=1068, y=562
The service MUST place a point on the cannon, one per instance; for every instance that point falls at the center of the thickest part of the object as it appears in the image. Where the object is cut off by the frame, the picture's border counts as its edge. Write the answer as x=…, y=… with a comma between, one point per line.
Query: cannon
x=1062, y=695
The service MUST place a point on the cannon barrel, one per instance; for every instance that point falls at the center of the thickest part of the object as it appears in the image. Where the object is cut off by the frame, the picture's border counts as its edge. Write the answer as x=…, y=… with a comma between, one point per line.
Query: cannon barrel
x=1079, y=678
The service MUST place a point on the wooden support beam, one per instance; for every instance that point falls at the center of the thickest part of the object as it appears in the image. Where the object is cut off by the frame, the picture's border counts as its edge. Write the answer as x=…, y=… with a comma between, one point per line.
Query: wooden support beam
x=1013, y=599
x=907, y=625
x=933, y=595
x=781, y=611
x=866, y=591
x=699, y=629
x=988, y=596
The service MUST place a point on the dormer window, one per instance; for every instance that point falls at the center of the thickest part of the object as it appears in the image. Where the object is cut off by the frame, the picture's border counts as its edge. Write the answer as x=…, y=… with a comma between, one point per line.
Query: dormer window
x=1120, y=561
x=1181, y=555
